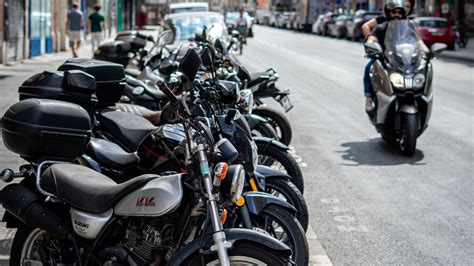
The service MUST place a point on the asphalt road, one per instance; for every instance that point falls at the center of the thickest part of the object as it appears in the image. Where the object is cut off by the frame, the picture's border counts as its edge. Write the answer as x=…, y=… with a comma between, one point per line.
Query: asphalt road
x=368, y=203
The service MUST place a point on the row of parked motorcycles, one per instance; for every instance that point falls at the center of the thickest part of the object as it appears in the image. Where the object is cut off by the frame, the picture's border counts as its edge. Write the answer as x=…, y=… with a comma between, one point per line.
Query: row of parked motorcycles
x=172, y=162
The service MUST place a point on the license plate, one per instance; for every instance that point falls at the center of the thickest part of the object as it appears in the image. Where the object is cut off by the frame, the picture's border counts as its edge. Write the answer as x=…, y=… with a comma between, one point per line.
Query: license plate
x=285, y=103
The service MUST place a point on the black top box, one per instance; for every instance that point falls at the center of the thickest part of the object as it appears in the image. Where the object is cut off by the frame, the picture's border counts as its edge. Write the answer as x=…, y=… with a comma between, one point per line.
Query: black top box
x=109, y=77
x=42, y=129
x=72, y=86
x=116, y=51
x=136, y=40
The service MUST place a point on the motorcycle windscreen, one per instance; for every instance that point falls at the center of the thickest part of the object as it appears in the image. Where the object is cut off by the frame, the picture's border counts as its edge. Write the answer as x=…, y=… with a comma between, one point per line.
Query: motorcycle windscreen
x=402, y=46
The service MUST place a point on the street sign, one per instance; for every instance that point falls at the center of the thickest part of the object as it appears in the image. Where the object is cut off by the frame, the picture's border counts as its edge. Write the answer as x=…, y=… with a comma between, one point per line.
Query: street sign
x=445, y=8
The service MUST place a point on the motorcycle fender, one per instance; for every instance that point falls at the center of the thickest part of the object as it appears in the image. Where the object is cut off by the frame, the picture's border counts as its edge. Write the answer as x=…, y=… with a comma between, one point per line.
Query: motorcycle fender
x=257, y=201
x=429, y=104
x=233, y=235
x=270, y=141
x=268, y=172
x=408, y=109
x=254, y=120
x=383, y=104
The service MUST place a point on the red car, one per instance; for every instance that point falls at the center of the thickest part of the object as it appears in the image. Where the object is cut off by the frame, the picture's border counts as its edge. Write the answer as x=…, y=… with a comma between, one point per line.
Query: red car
x=434, y=29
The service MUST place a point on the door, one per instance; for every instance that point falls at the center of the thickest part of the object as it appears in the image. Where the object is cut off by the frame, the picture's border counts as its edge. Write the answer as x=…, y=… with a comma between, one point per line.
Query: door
x=40, y=27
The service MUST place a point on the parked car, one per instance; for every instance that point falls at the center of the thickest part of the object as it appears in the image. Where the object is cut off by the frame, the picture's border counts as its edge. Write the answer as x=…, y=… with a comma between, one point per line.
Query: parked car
x=354, y=30
x=274, y=19
x=284, y=20
x=329, y=18
x=317, y=25
x=339, y=28
x=435, y=29
x=262, y=16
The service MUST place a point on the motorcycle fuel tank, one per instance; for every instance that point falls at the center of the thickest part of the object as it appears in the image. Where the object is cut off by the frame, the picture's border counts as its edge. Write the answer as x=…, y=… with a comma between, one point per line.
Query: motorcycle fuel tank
x=158, y=197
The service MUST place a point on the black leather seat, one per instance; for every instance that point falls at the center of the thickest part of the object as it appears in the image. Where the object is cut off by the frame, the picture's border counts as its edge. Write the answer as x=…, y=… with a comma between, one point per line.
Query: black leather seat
x=86, y=189
x=126, y=128
x=111, y=155
x=257, y=78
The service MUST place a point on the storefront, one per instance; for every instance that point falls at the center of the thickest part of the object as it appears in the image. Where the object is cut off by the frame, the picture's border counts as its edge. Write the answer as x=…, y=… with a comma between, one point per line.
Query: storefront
x=40, y=27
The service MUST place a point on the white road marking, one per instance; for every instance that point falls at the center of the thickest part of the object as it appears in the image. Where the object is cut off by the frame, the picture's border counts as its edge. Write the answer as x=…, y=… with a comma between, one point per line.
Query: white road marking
x=310, y=234
x=319, y=260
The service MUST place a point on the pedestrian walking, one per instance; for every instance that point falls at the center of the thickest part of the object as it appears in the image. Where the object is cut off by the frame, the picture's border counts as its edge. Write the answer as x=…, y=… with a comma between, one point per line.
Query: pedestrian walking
x=73, y=28
x=95, y=27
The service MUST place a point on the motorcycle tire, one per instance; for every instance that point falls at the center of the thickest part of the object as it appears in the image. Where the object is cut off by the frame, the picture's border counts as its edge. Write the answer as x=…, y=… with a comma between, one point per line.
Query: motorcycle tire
x=279, y=223
x=409, y=134
x=278, y=120
x=264, y=130
x=241, y=253
x=281, y=159
x=26, y=240
x=285, y=190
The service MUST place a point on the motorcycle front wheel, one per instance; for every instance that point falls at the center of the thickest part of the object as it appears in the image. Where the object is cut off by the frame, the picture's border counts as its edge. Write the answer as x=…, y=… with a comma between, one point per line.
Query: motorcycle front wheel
x=279, y=223
x=278, y=120
x=282, y=160
x=242, y=253
x=409, y=134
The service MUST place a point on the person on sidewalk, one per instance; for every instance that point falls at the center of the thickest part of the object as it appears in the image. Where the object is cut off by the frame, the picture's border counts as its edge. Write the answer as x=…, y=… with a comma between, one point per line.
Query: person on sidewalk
x=95, y=27
x=73, y=28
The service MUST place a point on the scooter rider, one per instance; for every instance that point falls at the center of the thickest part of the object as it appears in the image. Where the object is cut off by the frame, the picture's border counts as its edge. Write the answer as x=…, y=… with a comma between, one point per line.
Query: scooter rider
x=367, y=28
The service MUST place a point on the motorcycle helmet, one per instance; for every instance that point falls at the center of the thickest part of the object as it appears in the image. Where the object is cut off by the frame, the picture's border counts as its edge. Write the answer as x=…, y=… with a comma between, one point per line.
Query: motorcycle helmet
x=391, y=5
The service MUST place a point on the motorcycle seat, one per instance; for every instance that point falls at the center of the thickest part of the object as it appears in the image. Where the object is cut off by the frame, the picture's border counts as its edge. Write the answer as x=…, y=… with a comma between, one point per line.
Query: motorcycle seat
x=127, y=129
x=256, y=78
x=111, y=155
x=132, y=72
x=86, y=189
x=153, y=116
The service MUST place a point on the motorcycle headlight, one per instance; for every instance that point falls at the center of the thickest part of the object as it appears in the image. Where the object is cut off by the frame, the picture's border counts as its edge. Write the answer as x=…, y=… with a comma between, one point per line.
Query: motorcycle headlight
x=138, y=90
x=247, y=101
x=419, y=81
x=397, y=80
x=234, y=181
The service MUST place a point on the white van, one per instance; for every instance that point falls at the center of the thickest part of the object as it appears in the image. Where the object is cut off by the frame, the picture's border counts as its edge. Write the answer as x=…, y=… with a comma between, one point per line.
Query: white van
x=189, y=7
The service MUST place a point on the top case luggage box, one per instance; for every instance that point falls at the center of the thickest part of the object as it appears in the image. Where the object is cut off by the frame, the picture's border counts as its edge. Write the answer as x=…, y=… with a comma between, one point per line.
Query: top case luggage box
x=41, y=129
x=71, y=86
x=109, y=77
x=116, y=52
x=136, y=40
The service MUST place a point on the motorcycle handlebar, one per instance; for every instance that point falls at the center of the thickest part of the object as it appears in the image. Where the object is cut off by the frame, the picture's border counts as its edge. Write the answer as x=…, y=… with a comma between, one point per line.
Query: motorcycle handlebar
x=164, y=88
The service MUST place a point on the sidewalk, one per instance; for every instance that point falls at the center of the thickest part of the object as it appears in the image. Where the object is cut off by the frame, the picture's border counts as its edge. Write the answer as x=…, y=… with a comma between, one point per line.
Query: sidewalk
x=461, y=54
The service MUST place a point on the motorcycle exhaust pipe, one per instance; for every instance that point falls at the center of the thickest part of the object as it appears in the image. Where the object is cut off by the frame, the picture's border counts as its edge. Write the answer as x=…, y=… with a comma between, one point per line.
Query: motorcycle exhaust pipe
x=27, y=207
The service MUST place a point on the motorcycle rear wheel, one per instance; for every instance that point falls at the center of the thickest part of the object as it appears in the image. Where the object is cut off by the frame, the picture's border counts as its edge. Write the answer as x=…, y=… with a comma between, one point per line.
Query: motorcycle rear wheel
x=409, y=134
x=242, y=253
x=264, y=130
x=28, y=242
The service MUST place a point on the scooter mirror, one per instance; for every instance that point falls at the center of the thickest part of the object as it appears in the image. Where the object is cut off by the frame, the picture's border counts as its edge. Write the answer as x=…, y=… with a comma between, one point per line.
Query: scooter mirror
x=373, y=49
x=220, y=47
x=437, y=48
x=206, y=57
x=190, y=64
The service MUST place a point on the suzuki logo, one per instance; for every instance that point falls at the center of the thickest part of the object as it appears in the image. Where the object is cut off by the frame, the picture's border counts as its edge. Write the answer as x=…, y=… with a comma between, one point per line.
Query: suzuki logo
x=81, y=224
x=145, y=201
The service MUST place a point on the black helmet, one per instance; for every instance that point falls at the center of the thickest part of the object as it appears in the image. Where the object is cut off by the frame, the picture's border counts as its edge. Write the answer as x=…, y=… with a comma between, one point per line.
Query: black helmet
x=393, y=5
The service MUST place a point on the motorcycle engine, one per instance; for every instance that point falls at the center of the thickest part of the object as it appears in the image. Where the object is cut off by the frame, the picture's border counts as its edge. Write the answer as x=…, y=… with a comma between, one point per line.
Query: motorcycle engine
x=148, y=243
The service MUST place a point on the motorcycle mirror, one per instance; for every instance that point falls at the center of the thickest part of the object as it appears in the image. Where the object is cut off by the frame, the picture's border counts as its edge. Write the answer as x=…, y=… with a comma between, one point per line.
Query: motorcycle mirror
x=206, y=57
x=220, y=47
x=437, y=48
x=150, y=38
x=373, y=49
x=190, y=64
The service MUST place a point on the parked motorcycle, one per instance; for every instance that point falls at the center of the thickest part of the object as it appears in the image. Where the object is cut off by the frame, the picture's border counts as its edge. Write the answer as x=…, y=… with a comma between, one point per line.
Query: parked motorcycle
x=402, y=80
